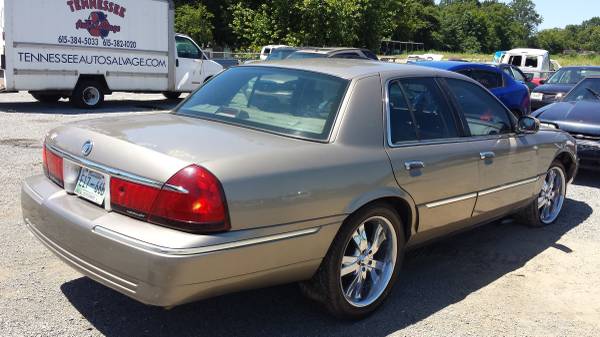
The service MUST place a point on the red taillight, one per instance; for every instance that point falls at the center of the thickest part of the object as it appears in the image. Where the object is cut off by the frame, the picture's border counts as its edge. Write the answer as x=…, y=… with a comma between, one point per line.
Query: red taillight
x=53, y=166
x=192, y=201
x=196, y=204
x=131, y=198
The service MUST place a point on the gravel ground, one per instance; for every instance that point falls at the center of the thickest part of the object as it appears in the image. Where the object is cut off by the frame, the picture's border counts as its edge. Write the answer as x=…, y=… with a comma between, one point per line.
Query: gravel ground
x=502, y=279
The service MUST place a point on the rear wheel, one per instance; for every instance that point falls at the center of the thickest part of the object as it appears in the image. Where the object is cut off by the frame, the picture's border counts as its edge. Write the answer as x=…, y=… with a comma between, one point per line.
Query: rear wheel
x=171, y=95
x=46, y=98
x=362, y=264
x=546, y=208
x=88, y=95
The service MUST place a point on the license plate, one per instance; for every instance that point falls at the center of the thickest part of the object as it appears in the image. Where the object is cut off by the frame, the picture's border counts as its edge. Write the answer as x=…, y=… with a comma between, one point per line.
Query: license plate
x=537, y=96
x=91, y=186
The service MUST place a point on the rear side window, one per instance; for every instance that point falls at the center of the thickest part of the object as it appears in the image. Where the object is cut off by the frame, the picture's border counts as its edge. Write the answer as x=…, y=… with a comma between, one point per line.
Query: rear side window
x=290, y=102
x=419, y=111
x=484, y=115
x=488, y=79
x=347, y=56
x=531, y=61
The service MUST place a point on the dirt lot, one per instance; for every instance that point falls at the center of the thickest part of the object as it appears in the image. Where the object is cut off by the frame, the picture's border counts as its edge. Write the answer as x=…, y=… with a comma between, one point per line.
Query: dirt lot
x=502, y=279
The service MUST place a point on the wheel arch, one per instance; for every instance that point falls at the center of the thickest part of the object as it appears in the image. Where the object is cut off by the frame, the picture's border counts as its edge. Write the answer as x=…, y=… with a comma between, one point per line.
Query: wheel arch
x=398, y=200
x=569, y=162
x=96, y=78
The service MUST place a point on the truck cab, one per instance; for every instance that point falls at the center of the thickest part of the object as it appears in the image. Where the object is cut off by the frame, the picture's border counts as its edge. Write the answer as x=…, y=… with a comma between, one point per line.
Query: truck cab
x=531, y=61
x=193, y=68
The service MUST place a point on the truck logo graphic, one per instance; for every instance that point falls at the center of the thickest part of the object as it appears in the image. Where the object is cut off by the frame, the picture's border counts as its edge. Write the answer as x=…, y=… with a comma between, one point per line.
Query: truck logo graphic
x=97, y=25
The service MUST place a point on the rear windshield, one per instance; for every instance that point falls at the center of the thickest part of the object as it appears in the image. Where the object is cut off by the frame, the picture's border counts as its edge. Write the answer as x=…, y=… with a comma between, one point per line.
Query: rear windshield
x=306, y=55
x=291, y=102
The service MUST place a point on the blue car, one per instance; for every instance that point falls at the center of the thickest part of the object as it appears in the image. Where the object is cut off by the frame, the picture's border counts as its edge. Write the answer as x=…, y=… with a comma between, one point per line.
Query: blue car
x=514, y=94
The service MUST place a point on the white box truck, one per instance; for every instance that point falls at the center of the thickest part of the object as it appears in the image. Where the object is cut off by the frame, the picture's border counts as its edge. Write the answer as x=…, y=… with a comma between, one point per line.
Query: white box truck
x=85, y=49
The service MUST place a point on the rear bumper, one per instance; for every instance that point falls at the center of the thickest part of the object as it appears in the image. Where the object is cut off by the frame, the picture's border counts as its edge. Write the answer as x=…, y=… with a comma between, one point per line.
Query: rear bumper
x=163, y=267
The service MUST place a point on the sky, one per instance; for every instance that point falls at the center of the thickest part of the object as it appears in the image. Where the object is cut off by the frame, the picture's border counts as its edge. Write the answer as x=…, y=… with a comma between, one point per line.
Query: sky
x=559, y=13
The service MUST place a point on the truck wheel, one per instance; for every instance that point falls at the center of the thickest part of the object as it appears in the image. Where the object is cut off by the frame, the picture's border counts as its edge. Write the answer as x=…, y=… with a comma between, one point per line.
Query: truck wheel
x=88, y=95
x=362, y=264
x=171, y=95
x=46, y=98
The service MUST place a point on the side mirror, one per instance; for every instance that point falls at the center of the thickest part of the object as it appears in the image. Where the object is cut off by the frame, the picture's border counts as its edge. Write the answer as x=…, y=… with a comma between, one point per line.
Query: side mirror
x=542, y=81
x=528, y=125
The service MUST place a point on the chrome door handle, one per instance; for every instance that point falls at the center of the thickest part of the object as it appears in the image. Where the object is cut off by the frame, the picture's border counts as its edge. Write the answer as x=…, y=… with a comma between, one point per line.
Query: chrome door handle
x=487, y=155
x=414, y=165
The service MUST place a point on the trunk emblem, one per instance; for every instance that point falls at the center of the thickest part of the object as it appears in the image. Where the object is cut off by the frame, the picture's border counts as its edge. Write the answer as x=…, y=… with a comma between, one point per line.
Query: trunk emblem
x=87, y=148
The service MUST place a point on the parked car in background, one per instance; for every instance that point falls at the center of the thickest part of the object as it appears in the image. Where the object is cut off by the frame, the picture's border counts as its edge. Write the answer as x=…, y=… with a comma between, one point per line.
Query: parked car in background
x=534, y=61
x=316, y=170
x=514, y=94
x=557, y=86
x=517, y=74
x=338, y=52
x=424, y=57
x=578, y=114
x=281, y=53
x=85, y=50
x=266, y=50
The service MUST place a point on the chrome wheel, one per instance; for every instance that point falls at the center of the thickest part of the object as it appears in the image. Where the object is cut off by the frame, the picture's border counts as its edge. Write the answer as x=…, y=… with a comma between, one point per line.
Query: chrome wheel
x=368, y=262
x=552, y=196
x=91, y=96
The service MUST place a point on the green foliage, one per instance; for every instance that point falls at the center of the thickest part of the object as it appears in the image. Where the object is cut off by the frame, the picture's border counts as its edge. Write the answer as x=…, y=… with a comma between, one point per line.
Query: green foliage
x=474, y=26
x=195, y=21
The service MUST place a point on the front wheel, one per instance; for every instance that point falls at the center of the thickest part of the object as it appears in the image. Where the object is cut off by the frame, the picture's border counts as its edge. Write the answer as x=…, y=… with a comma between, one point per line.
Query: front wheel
x=88, y=95
x=545, y=209
x=362, y=264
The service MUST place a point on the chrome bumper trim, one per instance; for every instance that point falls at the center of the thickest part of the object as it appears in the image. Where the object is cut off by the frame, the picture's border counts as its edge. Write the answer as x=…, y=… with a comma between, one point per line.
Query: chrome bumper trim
x=90, y=269
x=148, y=247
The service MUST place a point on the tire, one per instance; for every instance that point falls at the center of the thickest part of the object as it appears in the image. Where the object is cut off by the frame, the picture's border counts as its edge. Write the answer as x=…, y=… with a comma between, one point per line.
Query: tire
x=88, y=95
x=550, y=201
x=342, y=295
x=171, y=95
x=46, y=98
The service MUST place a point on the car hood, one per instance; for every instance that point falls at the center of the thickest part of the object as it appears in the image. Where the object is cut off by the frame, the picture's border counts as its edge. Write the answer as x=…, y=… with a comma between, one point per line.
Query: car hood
x=573, y=117
x=156, y=146
x=554, y=88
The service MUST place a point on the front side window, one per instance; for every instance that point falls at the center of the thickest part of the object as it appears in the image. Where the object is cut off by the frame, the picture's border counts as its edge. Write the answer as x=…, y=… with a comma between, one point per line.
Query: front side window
x=187, y=49
x=518, y=75
x=347, y=56
x=484, y=115
x=418, y=111
x=291, y=102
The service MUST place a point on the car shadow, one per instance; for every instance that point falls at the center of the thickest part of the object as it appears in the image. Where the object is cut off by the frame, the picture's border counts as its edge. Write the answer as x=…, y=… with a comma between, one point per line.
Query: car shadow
x=66, y=108
x=587, y=178
x=432, y=278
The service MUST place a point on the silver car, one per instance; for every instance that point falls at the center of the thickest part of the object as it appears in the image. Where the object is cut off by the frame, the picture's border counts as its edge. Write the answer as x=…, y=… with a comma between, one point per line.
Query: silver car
x=319, y=171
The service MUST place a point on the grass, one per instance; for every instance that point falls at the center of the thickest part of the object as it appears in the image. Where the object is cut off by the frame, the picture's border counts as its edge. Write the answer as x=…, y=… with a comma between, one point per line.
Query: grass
x=563, y=59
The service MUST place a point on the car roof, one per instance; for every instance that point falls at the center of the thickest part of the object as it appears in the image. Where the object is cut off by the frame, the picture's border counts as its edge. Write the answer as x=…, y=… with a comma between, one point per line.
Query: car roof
x=352, y=68
x=327, y=50
x=581, y=67
x=529, y=51
x=456, y=65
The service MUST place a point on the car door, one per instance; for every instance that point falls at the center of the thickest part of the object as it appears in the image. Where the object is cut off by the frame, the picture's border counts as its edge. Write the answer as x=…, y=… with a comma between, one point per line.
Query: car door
x=189, y=61
x=429, y=158
x=507, y=160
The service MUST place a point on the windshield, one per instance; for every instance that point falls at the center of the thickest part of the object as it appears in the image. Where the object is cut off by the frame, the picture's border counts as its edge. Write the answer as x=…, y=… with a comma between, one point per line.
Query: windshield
x=280, y=54
x=290, y=102
x=571, y=76
x=305, y=55
x=587, y=90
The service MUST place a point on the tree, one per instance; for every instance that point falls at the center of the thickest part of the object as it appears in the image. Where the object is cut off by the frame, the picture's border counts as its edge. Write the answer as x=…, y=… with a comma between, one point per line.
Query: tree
x=195, y=21
x=526, y=15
